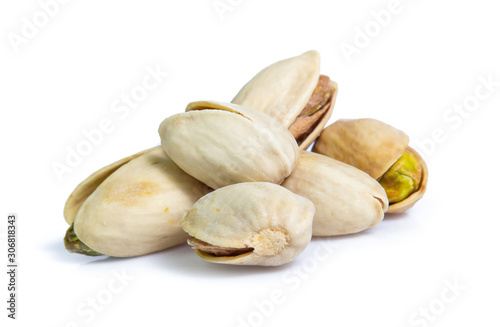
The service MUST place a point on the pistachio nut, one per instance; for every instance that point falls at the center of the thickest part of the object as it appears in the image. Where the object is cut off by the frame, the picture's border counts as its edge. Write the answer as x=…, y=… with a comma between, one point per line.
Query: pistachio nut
x=382, y=151
x=250, y=224
x=293, y=92
x=85, y=188
x=132, y=207
x=346, y=199
x=222, y=144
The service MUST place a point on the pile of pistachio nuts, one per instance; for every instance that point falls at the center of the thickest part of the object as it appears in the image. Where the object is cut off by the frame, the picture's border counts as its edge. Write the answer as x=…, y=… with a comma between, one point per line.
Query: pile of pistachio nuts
x=234, y=180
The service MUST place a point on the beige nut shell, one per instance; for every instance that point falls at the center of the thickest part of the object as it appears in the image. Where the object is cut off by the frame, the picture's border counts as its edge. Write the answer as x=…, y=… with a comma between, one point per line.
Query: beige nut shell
x=222, y=144
x=137, y=209
x=86, y=187
x=346, y=199
x=273, y=221
x=373, y=147
x=283, y=89
x=367, y=144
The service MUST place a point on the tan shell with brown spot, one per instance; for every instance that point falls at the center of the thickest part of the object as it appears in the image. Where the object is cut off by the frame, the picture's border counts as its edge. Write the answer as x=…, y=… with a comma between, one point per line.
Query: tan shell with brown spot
x=85, y=188
x=137, y=208
x=283, y=89
x=367, y=144
x=347, y=200
x=372, y=146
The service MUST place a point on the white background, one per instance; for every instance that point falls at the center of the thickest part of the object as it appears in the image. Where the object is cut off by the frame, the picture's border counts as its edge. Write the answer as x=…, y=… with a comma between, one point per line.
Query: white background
x=430, y=56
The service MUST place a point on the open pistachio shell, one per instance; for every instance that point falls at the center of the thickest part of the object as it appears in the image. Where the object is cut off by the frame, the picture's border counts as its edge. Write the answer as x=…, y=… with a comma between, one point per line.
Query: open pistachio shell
x=318, y=125
x=407, y=203
x=372, y=146
x=223, y=143
x=346, y=199
x=137, y=209
x=367, y=144
x=250, y=224
x=85, y=188
x=283, y=89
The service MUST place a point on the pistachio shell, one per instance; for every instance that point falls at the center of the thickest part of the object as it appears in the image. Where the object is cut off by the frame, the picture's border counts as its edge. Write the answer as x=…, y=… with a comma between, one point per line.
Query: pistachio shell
x=417, y=195
x=323, y=120
x=346, y=199
x=283, y=89
x=223, y=143
x=137, y=209
x=268, y=224
x=85, y=188
x=367, y=144
x=373, y=147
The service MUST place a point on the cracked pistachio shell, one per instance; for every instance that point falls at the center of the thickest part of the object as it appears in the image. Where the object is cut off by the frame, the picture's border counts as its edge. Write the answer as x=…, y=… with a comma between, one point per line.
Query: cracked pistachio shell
x=222, y=144
x=274, y=223
x=137, y=209
x=410, y=201
x=346, y=199
x=283, y=89
x=373, y=147
x=367, y=144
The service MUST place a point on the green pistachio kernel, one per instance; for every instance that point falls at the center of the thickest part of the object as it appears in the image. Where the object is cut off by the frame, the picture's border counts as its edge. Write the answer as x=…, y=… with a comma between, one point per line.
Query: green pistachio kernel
x=403, y=178
x=74, y=245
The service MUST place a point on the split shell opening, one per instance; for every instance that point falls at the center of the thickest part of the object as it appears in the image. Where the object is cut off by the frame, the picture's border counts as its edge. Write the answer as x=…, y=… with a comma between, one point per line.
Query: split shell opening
x=250, y=224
